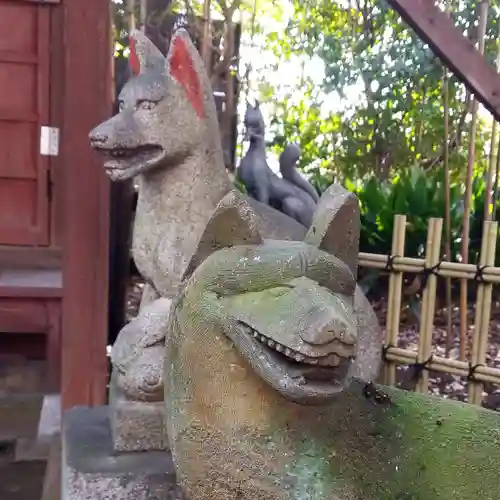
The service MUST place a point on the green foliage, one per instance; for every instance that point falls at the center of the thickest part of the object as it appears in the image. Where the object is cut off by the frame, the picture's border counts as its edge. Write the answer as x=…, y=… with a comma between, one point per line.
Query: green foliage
x=238, y=184
x=397, y=121
x=375, y=122
x=415, y=194
x=477, y=220
x=420, y=196
x=304, y=125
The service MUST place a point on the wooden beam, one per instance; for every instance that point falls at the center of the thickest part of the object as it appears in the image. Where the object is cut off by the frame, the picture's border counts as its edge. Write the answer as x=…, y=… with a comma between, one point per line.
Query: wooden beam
x=12, y=257
x=51, y=2
x=87, y=102
x=456, y=51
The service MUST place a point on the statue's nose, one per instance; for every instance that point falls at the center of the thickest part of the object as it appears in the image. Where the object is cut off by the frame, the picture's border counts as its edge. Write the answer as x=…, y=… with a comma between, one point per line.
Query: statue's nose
x=327, y=331
x=97, y=139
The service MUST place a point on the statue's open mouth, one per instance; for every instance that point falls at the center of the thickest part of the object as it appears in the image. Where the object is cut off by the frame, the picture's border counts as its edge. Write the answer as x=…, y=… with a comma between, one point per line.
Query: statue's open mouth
x=305, y=380
x=120, y=161
x=298, y=336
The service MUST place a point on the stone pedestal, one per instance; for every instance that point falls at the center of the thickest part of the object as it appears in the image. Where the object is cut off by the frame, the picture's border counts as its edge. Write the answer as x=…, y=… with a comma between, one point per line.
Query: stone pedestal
x=136, y=426
x=93, y=470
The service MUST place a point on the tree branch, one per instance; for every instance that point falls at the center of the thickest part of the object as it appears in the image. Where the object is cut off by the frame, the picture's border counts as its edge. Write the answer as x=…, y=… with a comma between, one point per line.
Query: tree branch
x=455, y=140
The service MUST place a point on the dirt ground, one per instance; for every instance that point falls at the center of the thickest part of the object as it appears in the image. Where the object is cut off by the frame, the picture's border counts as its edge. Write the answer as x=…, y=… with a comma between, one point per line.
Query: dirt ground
x=448, y=386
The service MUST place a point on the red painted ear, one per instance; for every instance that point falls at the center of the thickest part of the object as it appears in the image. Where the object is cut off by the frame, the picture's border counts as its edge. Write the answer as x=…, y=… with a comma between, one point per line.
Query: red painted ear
x=133, y=59
x=182, y=69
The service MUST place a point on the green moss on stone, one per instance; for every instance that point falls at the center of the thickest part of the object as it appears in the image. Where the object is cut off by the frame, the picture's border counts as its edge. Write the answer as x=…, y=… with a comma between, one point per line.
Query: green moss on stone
x=417, y=448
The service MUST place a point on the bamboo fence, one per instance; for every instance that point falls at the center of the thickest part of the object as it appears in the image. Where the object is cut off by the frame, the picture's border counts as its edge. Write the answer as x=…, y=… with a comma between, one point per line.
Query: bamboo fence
x=432, y=267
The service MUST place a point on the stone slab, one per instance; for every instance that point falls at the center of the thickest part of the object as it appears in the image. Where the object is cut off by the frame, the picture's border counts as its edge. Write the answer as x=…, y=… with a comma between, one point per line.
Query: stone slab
x=92, y=470
x=136, y=426
x=50, y=417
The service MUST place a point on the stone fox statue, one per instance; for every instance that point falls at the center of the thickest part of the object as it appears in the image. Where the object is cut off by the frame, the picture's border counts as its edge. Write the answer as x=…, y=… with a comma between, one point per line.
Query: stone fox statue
x=262, y=401
x=262, y=342
x=292, y=194
x=166, y=134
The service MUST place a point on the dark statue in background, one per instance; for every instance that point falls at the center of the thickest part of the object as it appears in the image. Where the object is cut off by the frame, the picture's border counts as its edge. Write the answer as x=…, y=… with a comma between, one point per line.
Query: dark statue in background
x=291, y=194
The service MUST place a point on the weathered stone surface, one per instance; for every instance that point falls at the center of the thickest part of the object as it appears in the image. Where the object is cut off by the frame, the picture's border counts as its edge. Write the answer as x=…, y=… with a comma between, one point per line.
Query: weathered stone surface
x=138, y=353
x=335, y=229
x=92, y=470
x=178, y=184
x=181, y=179
x=336, y=225
x=235, y=433
x=181, y=185
x=136, y=425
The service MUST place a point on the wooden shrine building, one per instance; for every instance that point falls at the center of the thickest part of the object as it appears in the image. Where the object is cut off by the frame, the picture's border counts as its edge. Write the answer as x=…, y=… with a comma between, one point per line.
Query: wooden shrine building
x=55, y=85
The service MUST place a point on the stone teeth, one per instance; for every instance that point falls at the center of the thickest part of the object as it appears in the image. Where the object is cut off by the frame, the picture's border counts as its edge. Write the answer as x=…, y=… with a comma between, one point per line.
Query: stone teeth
x=263, y=338
x=256, y=335
x=288, y=352
x=332, y=360
x=271, y=343
x=279, y=347
x=299, y=357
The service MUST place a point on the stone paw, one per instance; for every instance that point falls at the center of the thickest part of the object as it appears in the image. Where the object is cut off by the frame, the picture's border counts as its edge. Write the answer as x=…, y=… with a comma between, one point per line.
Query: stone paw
x=143, y=380
x=143, y=332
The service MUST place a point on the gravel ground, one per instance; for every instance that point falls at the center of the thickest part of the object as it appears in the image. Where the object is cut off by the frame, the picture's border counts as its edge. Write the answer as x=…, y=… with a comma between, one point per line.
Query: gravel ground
x=449, y=386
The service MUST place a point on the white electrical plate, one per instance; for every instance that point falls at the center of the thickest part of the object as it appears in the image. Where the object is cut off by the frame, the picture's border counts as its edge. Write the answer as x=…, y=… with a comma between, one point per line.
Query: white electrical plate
x=49, y=141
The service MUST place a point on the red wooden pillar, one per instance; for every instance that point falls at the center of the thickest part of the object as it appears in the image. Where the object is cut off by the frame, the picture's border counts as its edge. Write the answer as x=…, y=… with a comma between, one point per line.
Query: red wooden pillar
x=86, y=102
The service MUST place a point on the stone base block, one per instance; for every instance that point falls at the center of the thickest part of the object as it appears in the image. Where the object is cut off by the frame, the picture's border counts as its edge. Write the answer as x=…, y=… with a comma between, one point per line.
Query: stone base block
x=92, y=470
x=136, y=426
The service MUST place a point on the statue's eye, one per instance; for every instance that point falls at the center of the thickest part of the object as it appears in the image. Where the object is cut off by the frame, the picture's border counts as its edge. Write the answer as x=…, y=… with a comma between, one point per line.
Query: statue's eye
x=121, y=106
x=146, y=104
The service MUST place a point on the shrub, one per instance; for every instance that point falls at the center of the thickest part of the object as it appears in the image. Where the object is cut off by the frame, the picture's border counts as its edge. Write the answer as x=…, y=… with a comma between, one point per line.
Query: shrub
x=415, y=194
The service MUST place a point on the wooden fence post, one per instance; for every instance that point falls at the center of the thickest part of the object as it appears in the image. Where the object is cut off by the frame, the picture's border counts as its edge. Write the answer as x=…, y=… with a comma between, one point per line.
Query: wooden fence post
x=395, y=290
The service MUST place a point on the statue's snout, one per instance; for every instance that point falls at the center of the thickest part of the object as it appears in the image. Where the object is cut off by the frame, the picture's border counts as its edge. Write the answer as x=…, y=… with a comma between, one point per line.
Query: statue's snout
x=97, y=138
x=324, y=332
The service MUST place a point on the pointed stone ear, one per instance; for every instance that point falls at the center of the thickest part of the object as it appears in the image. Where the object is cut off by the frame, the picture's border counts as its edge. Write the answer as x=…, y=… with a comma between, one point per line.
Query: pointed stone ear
x=182, y=68
x=144, y=54
x=233, y=222
x=336, y=225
